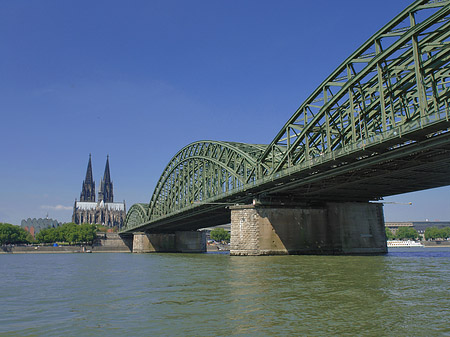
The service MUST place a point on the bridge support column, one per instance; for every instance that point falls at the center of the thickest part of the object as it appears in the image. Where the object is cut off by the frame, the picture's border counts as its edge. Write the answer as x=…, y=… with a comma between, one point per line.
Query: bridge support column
x=334, y=228
x=178, y=242
x=191, y=242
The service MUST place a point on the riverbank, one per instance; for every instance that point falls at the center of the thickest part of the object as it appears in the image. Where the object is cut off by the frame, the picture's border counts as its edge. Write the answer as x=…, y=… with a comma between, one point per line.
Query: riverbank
x=31, y=249
x=60, y=249
x=112, y=243
x=445, y=243
x=216, y=247
x=104, y=243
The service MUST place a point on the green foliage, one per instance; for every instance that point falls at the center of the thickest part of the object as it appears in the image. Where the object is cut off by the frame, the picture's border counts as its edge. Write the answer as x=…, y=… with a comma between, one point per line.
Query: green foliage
x=446, y=232
x=101, y=228
x=220, y=234
x=10, y=234
x=46, y=235
x=389, y=234
x=433, y=233
x=69, y=232
x=406, y=233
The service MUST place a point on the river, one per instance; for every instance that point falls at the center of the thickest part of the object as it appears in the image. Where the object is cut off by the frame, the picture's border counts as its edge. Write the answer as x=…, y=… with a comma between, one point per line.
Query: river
x=404, y=293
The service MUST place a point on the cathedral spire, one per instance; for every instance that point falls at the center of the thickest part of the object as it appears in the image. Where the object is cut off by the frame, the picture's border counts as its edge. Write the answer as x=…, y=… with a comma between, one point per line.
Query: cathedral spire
x=107, y=175
x=89, y=178
x=106, y=187
x=88, y=187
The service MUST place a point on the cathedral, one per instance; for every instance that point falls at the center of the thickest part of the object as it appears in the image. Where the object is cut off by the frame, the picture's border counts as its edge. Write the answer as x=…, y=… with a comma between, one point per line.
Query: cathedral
x=105, y=211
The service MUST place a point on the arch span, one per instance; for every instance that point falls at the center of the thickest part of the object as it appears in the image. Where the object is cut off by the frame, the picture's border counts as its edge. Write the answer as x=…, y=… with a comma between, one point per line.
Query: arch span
x=136, y=215
x=202, y=171
x=391, y=93
x=396, y=82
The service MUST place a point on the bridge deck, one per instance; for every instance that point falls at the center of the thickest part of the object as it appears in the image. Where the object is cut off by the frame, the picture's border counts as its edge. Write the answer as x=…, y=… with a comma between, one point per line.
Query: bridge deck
x=377, y=126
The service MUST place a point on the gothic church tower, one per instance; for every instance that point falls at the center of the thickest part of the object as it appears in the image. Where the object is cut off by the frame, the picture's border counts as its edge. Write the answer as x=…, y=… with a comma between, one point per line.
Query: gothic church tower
x=106, y=187
x=88, y=187
x=105, y=211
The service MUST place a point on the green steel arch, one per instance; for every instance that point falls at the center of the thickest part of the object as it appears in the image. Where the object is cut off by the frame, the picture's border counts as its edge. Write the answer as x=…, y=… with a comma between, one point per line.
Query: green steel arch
x=136, y=215
x=394, y=83
x=392, y=91
x=202, y=171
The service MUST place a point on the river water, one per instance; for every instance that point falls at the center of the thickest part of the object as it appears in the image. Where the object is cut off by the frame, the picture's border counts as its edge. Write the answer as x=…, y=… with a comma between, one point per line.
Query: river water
x=404, y=293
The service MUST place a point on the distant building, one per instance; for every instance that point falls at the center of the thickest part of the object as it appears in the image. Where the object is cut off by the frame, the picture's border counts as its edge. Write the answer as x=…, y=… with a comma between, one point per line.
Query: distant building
x=419, y=226
x=103, y=212
x=34, y=226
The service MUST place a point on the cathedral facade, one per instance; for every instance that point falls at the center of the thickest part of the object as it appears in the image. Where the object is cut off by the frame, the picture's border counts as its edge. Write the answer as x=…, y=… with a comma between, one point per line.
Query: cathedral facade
x=104, y=211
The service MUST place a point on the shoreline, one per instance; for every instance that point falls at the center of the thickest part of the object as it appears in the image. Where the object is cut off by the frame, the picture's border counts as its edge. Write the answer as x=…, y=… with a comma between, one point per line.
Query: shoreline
x=101, y=249
x=435, y=244
x=61, y=250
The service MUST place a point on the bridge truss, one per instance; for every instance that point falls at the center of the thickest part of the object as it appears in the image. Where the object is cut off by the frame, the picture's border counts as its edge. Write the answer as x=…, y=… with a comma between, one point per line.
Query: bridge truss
x=394, y=83
x=384, y=109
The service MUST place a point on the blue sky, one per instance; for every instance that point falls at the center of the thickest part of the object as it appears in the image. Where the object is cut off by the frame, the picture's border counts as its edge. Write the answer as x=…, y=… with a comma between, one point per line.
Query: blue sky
x=139, y=80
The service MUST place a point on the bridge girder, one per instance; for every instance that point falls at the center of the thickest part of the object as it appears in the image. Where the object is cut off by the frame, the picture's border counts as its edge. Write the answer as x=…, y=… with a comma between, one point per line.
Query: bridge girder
x=400, y=75
x=136, y=215
x=391, y=93
x=198, y=174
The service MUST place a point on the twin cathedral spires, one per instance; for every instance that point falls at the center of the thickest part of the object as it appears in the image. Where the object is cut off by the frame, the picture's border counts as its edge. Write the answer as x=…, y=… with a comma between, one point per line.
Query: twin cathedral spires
x=105, y=212
x=105, y=193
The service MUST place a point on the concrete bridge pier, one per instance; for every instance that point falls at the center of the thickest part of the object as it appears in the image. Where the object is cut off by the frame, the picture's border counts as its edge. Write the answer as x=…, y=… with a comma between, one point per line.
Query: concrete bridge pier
x=178, y=242
x=333, y=228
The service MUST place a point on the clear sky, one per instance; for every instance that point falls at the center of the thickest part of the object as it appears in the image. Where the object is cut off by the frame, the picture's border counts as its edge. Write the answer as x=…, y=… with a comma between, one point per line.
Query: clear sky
x=139, y=80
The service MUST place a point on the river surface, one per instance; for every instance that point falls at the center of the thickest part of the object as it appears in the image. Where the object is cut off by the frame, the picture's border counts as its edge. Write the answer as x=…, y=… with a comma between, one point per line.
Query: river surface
x=404, y=293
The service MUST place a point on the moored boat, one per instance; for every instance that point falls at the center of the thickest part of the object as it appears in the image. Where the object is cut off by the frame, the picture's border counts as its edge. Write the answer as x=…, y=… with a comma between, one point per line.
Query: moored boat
x=402, y=244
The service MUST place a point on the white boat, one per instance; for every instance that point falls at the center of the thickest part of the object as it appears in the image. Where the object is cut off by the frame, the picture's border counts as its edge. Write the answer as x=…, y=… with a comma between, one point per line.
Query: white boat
x=402, y=244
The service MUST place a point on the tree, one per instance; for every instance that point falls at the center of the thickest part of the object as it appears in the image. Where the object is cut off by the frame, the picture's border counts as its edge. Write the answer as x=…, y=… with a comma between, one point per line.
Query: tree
x=101, y=228
x=10, y=234
x=220, y=234
x=406, y=233
x=432, y=233
x=389, y=234
x=69, y=232
x=446, y=232
x=47, y=235
x=88, y=232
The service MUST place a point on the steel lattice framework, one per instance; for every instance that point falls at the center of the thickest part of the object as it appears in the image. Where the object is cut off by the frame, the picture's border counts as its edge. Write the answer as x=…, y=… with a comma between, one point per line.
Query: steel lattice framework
x=394, y=83
x=198, y=172
x=137, y=215
x=389, y=99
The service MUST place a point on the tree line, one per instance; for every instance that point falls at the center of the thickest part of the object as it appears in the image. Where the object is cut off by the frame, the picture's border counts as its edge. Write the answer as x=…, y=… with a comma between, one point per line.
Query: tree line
x=433, y=233
x=409, y=233
x=10, y=234
x=68, y=233
x=220, y=234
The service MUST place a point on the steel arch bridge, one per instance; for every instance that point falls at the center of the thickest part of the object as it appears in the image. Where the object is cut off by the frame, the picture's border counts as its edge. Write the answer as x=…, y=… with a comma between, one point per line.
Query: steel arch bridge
x=377, y=126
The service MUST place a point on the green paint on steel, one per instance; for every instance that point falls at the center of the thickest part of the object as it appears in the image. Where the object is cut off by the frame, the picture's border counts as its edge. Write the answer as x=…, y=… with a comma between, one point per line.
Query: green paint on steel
x=201, y=171
x=375, y=91
x=136, y=215
x=395, y=85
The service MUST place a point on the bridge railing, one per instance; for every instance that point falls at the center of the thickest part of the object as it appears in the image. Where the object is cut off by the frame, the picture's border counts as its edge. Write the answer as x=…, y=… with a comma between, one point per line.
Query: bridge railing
x=391, y=92
x=396, y=76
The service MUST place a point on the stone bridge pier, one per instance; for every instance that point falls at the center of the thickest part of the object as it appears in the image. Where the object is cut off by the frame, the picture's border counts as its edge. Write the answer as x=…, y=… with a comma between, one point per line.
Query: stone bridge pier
x=178, y=242
x=332, y=228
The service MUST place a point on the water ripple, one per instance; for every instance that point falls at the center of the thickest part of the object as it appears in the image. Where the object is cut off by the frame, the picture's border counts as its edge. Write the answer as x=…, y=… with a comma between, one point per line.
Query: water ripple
x=404, y=293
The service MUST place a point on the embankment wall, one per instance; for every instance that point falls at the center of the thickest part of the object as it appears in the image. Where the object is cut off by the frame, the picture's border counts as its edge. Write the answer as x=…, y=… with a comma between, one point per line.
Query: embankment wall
x=104, y=243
